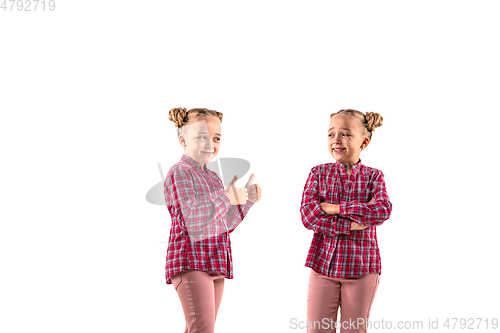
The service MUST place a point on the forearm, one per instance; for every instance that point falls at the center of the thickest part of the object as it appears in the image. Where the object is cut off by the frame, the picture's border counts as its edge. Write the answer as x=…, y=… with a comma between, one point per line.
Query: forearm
x=363, y=213
x=205, y=214
x=316, y=219
x=330, y=209
x=372, y=214
x=236, y=214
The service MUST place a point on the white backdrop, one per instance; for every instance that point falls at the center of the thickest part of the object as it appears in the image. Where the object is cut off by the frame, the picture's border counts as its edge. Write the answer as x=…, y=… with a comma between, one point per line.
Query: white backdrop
x=84, y=97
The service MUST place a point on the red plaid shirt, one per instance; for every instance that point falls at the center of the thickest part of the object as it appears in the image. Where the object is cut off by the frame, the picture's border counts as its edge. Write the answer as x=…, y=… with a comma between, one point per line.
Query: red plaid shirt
x=337, y=251
x=202, y=218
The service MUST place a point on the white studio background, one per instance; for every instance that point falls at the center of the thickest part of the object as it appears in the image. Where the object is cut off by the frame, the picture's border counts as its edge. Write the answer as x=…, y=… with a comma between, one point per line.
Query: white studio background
x=85, y=93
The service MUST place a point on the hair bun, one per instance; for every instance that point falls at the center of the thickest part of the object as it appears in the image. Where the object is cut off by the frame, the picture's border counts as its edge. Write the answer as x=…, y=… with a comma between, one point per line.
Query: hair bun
x=177, y=115
x=373, y=120
x=219, y=114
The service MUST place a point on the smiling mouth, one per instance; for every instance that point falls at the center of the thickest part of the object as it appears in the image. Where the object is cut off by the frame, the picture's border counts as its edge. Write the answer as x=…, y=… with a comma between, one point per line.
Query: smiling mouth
x=338, y=149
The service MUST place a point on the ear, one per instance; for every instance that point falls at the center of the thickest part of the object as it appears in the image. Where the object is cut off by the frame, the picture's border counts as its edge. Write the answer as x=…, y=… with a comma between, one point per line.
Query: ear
x=182, y=141
x=365, y=143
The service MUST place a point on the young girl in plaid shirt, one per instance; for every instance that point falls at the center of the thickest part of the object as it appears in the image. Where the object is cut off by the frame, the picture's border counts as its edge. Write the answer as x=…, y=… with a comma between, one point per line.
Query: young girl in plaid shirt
x=343, y=203
x=203, y=214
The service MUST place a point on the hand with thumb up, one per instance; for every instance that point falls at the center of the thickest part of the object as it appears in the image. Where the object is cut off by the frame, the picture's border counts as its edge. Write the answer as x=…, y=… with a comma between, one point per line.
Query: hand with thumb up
x=237, y=196
x=254, y=191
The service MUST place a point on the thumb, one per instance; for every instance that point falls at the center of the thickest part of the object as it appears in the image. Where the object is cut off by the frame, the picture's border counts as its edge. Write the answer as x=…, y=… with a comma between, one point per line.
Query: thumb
x=235, y=178
x=250, y=181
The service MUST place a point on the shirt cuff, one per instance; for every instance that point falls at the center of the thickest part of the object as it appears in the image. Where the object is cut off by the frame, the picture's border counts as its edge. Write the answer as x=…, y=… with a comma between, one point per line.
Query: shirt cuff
x=342, y=225
x=342, y=207
x=249, y=203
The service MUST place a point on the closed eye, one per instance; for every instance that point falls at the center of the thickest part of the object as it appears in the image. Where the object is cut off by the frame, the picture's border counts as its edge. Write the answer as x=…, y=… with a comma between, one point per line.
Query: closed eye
x=343, y=134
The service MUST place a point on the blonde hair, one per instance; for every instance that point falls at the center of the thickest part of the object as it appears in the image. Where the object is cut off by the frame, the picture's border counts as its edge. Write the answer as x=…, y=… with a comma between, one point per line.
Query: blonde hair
x=369, y=121
x=181, y=117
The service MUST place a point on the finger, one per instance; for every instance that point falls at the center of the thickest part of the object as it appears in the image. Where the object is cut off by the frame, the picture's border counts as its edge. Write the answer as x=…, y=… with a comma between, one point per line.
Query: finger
x=255, y=196
x=255, y=188
x=235, y=191
x=250, y=180
x=235, y=178
x=254, y=193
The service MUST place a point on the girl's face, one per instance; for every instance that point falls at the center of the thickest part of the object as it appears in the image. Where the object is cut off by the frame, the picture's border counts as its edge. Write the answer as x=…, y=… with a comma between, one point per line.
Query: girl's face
x=201, y=139
x=346, y=138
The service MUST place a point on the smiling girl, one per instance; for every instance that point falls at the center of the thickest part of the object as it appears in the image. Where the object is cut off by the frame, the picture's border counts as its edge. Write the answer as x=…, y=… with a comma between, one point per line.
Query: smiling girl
x=203, y=214
x=344, y=203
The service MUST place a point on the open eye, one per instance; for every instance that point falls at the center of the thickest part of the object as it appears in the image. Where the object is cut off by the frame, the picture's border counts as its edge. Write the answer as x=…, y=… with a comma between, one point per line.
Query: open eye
x=217, y=139
x=345, y=134
x=201, y=137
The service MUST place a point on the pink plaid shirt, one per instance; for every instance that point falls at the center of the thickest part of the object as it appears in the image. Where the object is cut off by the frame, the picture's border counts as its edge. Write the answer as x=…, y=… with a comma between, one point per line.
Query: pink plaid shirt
x=336, y=250
x=202, y=218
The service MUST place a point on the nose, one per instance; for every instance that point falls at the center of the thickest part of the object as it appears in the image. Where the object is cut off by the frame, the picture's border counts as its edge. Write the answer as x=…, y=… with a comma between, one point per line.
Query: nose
x=208, y=144
x=335, y=138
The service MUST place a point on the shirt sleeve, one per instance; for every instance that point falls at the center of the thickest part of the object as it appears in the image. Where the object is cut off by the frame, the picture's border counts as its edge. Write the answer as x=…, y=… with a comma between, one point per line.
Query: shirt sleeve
x=236, y=214
x=374, y=213
x=314, y=217
x=202, y=215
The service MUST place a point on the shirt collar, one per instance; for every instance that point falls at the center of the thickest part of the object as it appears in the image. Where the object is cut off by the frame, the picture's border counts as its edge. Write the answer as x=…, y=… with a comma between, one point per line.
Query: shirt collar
x=192, y=161
x=355, y=167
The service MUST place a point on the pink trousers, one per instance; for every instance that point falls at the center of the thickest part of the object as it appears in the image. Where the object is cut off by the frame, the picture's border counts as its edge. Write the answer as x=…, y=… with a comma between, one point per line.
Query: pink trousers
x=200, y=293
x=354, y=296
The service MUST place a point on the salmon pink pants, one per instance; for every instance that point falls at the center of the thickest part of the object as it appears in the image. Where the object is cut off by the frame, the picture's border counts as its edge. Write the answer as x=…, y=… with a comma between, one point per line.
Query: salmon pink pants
x=354, y=296
x=200, y=293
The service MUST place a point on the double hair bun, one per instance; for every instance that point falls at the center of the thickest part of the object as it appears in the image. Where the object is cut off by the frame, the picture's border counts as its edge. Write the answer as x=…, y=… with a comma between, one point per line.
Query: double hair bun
x=373, y=120
x=177, y=115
